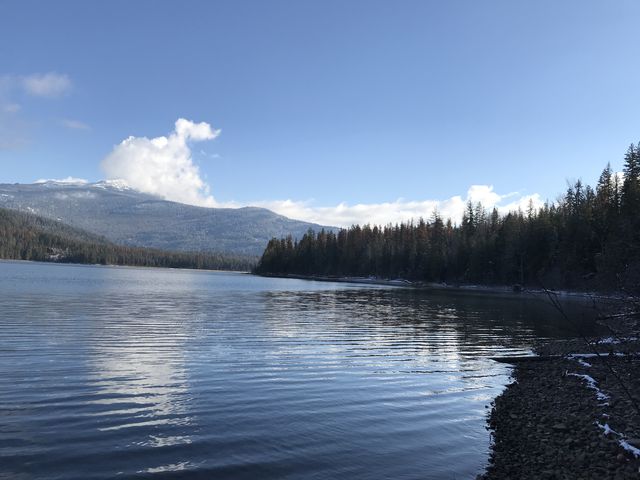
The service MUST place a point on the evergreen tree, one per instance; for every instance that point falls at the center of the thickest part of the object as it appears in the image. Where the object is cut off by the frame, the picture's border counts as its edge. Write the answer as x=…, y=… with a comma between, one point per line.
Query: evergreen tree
x=630, y=198
x=590, y=238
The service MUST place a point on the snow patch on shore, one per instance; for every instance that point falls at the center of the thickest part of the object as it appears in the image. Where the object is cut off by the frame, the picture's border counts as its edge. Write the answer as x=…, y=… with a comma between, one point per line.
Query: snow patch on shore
x=607, y=430
x=592, y=384
x=580, y=361
x=616, y=341
x=630, y=448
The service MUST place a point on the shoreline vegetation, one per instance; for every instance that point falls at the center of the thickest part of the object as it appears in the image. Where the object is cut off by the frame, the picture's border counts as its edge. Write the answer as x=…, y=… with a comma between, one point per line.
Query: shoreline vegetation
x=107, y=265
x=588, y=240
x=25, y=236
x=566, y=415
x=575, y=412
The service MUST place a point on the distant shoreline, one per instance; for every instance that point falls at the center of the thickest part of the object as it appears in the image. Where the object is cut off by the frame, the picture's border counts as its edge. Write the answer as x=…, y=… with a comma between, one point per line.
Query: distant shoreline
x=461, y=288
x=493, y=290
x=17, y=260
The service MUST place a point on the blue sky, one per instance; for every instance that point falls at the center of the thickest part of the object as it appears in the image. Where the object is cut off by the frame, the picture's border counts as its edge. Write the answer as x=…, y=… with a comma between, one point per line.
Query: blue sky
x=325, y=102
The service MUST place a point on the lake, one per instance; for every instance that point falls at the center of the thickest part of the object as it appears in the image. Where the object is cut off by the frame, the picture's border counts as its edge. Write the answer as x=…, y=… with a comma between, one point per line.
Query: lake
x=115, y=372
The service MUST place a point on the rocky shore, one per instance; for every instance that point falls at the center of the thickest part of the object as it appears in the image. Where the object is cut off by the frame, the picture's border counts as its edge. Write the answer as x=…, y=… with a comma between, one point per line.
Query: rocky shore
x=572, y=416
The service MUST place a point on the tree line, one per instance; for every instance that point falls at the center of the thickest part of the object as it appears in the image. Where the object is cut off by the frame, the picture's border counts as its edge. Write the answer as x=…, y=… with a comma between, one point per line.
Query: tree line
x=588, y=239
x=24, y=236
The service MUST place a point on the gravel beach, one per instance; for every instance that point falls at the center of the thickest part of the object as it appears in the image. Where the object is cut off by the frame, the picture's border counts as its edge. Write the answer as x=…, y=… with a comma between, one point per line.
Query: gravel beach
x=570, y=417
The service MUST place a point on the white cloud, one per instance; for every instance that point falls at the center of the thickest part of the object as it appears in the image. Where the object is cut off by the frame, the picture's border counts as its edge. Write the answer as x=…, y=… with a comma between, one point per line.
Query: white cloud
x=163, y=165
x=50, y=84
x=14, y=128
x=74, y=124
x=344, y=215
x=210, y=155
x=523, y=203
x=619, y=176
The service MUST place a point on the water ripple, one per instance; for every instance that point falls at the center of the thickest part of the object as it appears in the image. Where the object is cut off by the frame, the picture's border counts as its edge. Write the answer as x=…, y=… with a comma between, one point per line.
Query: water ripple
x=149, y=373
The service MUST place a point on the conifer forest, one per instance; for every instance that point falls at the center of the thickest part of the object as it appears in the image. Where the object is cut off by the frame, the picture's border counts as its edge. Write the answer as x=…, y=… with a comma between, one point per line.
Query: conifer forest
x=588, y=239
x=24, y=236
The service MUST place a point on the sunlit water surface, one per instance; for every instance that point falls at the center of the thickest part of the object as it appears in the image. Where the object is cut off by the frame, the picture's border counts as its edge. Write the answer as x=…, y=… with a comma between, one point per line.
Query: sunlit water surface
x=149, y=373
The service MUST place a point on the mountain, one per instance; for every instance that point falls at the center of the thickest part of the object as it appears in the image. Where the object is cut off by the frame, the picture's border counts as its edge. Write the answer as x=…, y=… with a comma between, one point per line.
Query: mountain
x=25, y=236
x=129, y=217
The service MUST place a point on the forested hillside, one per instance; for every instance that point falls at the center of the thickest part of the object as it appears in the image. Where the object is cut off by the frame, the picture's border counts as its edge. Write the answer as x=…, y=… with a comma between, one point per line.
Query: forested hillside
x=24, y=236
x=590, y=239
x=128, y=217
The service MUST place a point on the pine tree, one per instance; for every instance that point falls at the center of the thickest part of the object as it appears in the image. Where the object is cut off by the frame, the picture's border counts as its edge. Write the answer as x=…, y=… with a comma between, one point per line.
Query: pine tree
x=631, y=184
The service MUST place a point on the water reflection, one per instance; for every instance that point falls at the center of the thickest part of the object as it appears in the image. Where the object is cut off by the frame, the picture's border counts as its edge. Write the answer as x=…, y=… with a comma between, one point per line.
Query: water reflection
x=138, y=373
x=138, y=361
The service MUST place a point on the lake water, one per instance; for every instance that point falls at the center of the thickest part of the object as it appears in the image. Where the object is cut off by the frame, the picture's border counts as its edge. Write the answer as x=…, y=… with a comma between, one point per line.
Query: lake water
x=110, y=372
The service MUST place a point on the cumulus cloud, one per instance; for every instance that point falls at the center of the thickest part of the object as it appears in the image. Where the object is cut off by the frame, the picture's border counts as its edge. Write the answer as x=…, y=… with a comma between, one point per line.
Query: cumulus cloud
x=50, y=84
x=345, y=215
x=163, y=165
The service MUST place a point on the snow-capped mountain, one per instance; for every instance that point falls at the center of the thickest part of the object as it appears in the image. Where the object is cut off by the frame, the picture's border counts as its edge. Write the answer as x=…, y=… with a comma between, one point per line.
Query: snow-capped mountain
x=126, y=216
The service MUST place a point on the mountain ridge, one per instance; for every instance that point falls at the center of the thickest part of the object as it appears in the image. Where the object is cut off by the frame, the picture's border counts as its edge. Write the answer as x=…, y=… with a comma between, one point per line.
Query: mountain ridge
x=26, y=236
x=129, y=217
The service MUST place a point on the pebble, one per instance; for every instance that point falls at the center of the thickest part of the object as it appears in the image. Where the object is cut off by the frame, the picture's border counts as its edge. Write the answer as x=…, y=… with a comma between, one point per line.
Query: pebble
x=544, y=424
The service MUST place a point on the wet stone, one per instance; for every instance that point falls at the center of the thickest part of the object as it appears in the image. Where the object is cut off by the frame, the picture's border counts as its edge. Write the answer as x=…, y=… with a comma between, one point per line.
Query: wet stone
x=544, y=424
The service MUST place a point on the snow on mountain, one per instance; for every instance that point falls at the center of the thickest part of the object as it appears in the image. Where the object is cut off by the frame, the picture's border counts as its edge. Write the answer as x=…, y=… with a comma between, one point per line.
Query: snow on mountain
x=116, y=211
